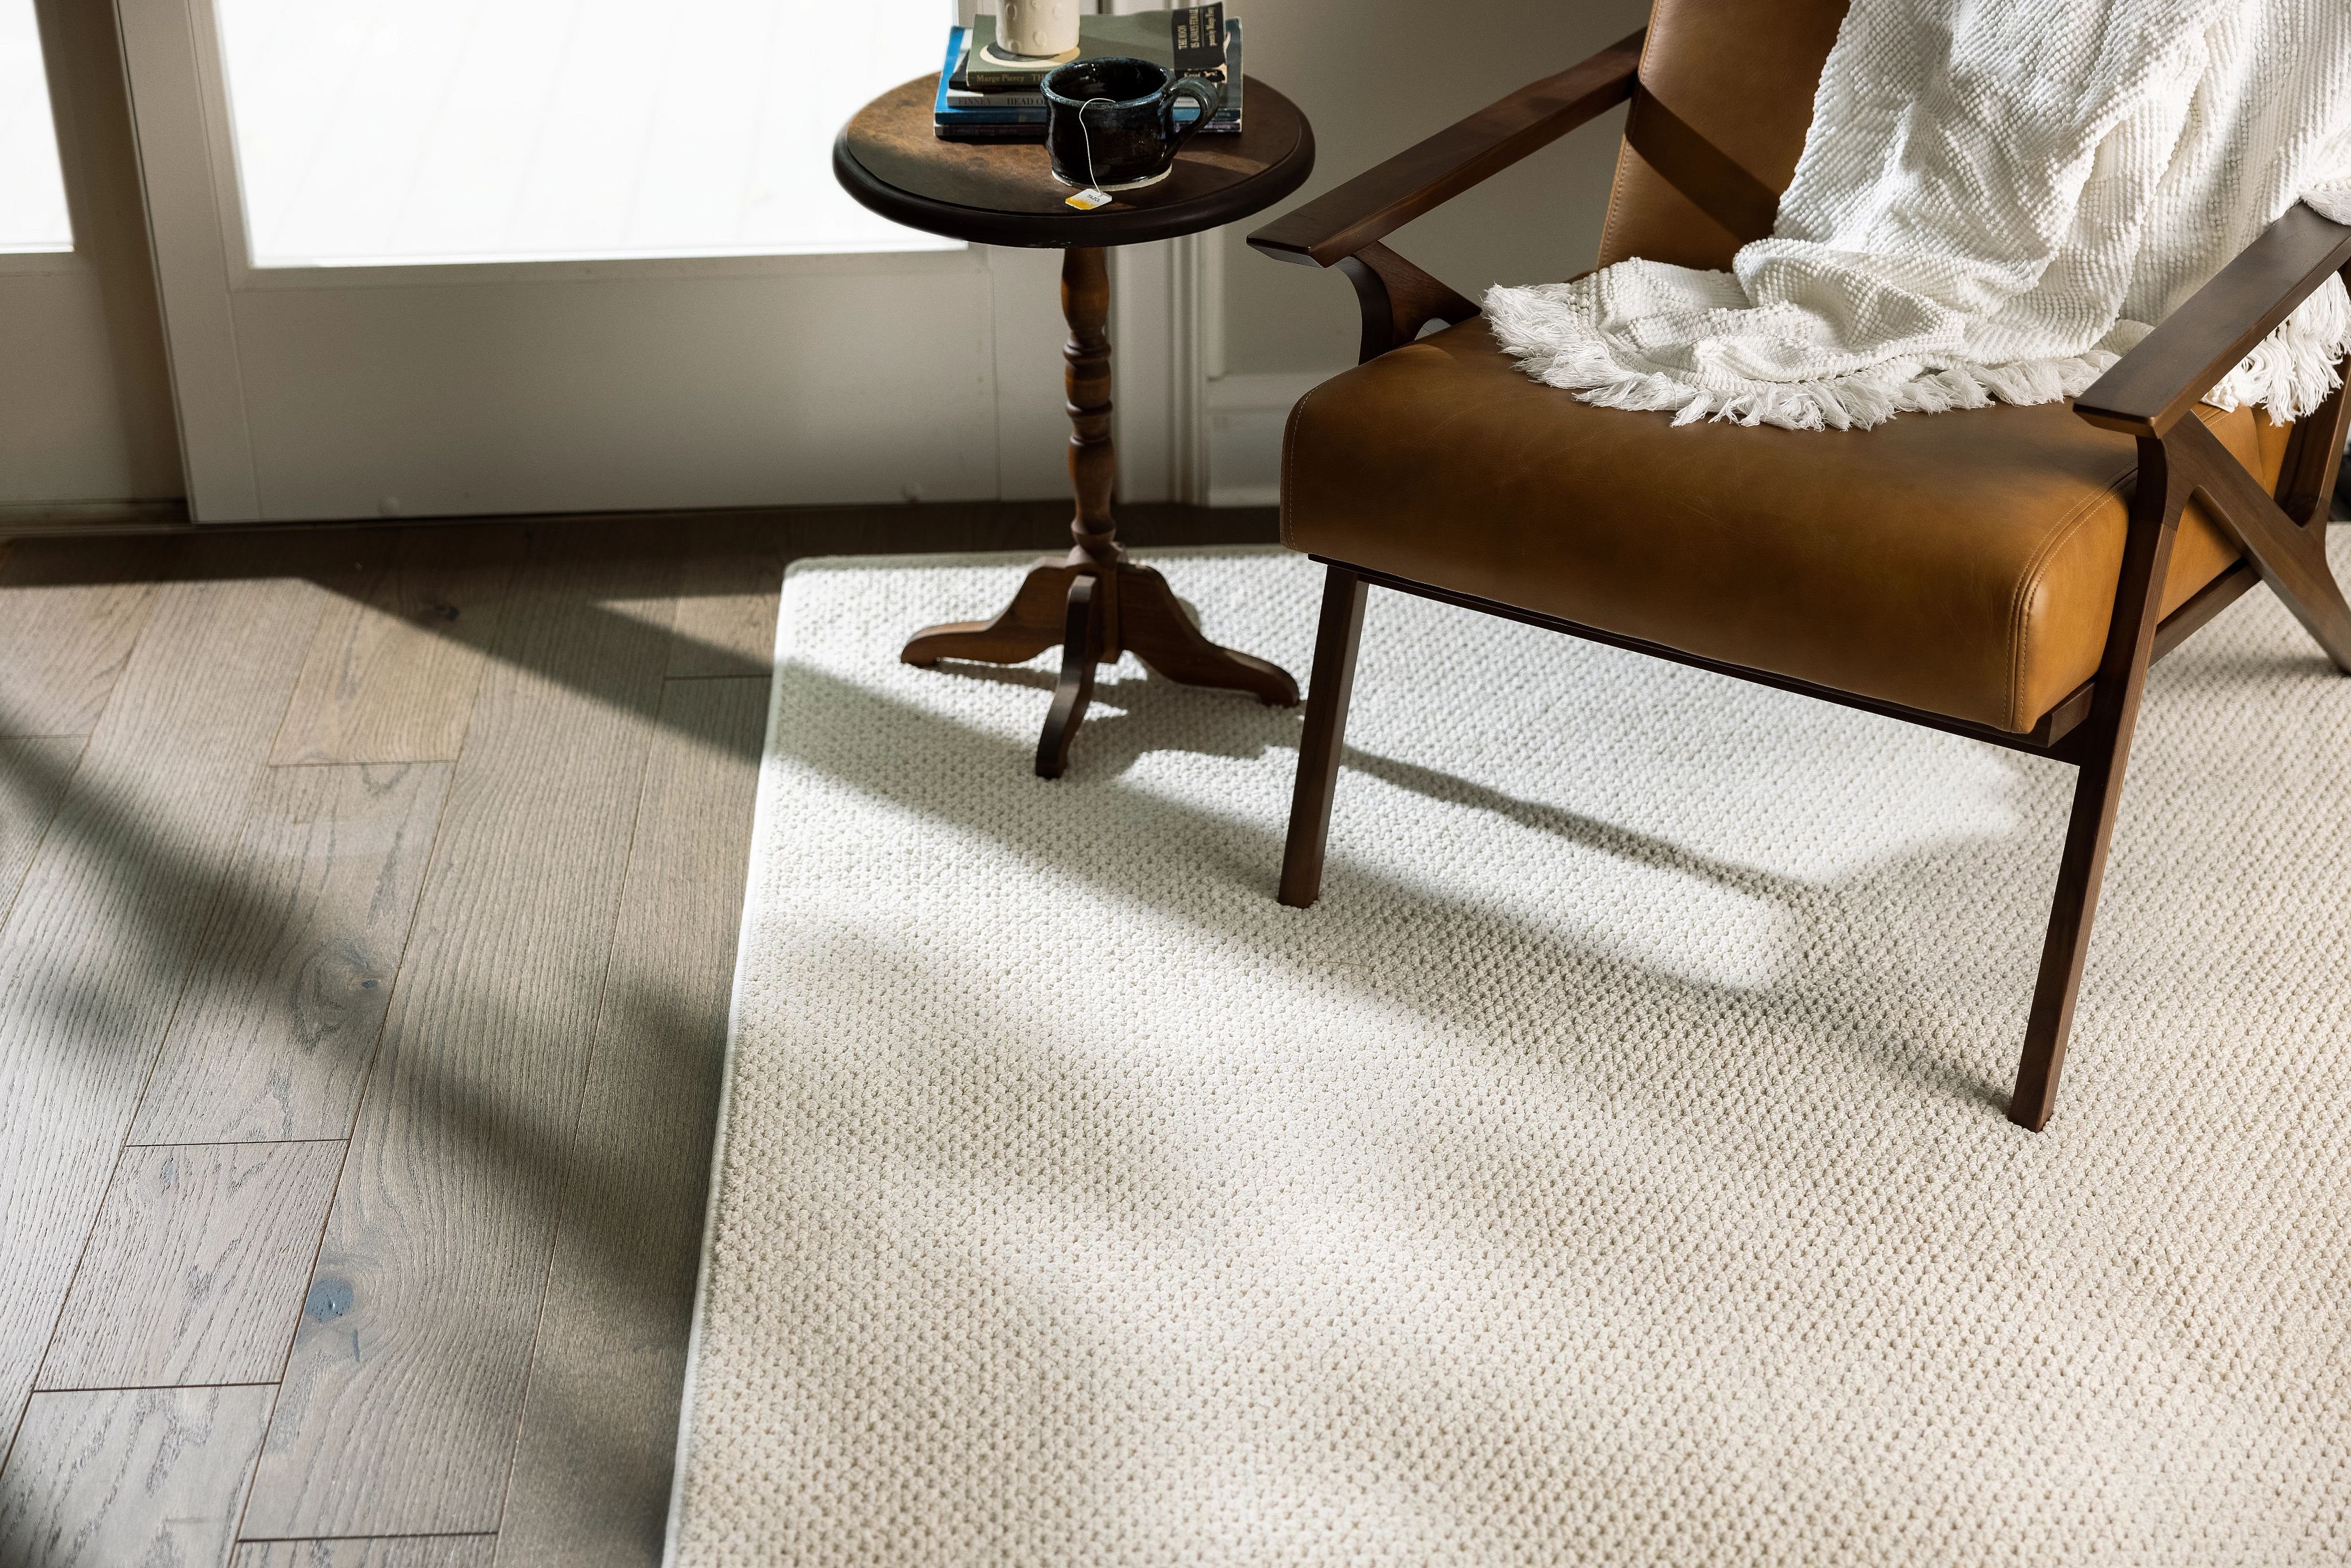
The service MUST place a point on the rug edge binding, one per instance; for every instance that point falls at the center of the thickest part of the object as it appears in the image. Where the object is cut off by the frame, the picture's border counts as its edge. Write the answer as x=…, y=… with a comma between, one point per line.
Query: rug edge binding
x=672, y=1532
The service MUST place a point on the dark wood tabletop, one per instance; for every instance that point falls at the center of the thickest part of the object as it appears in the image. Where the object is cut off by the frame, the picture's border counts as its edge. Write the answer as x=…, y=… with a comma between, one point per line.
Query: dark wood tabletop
x=1004, y=192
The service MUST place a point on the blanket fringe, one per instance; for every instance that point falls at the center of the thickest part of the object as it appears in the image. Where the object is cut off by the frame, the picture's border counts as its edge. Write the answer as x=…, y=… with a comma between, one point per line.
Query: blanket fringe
x=2293, y=370
x=2298, y=366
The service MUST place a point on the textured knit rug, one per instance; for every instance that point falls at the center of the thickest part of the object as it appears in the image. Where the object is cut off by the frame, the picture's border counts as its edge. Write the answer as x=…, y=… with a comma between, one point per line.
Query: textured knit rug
x=1610, y=1169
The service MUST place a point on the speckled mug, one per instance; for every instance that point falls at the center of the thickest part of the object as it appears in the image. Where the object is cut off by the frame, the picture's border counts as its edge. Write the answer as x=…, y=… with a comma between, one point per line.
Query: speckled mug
x=1111, y=123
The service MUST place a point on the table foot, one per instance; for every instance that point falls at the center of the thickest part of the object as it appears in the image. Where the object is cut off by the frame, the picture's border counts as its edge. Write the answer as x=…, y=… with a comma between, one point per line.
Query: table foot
x=1096, y=610
x=1081, y=650
x=1157, y=630
x=1032, y=624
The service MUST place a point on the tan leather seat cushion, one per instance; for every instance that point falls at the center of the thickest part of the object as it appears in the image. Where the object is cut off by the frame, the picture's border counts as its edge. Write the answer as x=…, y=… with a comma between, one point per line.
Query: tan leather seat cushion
x=1964, y=563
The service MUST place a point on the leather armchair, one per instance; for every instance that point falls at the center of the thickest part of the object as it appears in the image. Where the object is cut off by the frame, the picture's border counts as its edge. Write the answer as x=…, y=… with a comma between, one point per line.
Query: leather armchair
x=2005, y=573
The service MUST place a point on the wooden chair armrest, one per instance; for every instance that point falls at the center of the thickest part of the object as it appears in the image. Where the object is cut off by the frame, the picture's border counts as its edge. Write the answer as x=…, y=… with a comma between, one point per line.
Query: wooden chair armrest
x=1389, y=196
x=2150, y=388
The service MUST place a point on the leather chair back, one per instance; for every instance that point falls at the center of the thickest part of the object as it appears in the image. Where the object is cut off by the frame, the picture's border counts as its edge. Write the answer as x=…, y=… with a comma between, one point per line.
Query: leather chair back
x=1718, y=123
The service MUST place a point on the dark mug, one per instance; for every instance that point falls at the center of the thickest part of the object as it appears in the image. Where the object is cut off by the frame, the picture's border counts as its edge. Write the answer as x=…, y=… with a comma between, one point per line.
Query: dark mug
x=1111, y=123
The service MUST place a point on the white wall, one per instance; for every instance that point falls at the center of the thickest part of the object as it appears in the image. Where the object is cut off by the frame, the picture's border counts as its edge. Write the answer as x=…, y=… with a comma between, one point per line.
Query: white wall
x=1374, y=77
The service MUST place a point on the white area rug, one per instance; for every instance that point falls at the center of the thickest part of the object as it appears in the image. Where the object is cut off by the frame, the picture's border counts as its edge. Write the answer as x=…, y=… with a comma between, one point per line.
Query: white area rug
x=1610, y=1168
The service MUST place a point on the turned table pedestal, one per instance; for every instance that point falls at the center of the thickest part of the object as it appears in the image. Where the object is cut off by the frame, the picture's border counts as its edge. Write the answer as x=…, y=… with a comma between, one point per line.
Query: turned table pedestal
x=1093, y=601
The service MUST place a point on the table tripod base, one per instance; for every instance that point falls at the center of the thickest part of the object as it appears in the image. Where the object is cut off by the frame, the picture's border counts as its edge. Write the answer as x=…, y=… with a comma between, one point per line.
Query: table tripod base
x=1096, y=609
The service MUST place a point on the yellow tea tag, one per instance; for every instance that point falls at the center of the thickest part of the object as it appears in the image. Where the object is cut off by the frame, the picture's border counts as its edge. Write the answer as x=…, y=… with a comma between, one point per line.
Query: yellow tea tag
x=1087, y=199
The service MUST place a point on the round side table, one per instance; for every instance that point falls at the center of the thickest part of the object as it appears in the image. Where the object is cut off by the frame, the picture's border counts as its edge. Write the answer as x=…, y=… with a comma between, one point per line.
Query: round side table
x=1093, y=601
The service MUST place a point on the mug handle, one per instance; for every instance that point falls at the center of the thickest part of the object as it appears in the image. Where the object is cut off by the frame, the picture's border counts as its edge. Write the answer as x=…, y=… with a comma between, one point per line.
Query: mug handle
x=1197, y=91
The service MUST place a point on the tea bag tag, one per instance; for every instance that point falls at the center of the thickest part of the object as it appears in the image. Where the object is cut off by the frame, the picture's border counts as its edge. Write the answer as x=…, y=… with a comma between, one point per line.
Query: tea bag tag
x=1087, y=199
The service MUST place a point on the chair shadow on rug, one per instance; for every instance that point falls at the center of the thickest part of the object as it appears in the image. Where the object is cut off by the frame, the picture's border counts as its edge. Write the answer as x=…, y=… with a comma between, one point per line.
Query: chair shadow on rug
x=1121, y=737
x=1877, y=932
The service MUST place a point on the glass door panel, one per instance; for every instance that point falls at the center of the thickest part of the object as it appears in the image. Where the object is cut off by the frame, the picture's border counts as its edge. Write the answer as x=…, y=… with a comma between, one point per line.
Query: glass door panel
x=452, y=257
x=32, y=183
x=375, y=131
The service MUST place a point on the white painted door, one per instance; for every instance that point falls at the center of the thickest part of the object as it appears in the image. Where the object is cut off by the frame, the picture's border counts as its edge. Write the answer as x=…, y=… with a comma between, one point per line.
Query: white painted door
x=434, y=257
x=83, y=413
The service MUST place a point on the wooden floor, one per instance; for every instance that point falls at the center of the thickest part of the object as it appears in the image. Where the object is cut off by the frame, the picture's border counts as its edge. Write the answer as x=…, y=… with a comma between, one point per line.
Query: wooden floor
x=370, y=901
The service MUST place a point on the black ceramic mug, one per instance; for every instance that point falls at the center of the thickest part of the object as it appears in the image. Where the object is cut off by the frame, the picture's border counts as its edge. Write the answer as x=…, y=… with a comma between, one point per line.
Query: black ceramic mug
x=1111, y=123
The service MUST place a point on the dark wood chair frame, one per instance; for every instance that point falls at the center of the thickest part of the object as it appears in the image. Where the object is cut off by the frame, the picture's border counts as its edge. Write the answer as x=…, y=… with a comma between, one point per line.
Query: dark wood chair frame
x=2148, y=394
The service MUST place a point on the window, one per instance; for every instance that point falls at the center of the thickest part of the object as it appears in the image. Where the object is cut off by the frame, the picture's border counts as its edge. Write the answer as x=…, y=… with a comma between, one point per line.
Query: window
x=375, y=131
x=32, y=185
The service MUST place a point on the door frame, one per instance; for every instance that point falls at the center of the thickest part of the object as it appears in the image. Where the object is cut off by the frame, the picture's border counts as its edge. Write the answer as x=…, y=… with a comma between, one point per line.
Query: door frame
x=88, y=386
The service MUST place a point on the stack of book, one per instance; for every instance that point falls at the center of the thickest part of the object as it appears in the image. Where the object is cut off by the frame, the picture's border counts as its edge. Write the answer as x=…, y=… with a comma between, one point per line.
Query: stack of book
x=988, y=97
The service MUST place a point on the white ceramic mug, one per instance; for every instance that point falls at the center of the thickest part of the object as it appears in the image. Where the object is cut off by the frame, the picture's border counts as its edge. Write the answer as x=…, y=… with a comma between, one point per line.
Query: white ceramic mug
x=1037, y=26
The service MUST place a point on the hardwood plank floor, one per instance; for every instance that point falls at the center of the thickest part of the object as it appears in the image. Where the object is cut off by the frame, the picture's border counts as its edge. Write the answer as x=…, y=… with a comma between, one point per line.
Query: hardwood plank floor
x=69, y=625
x=33, y=777
x=591, y=1472
x=391, y=674
x=727, y=599
x=515, y=1224
x=399, y=1411
x=275, y=1034
x=194, y=1267
x=119, y=1477
x=397, y=1551
x=99, y=941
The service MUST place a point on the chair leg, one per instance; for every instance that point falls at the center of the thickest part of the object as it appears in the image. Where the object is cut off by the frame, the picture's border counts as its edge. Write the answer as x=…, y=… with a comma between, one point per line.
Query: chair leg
x=1336, y=640
x=2100, y=752
x=2091, y=828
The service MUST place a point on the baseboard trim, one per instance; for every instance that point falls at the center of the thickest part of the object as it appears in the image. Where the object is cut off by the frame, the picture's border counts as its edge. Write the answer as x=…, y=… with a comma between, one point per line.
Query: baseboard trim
x=1245, y=416
x=67, y=517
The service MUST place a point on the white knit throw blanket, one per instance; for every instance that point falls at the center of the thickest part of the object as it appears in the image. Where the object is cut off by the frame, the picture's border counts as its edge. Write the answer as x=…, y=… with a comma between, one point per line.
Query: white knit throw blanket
x=1997, y=199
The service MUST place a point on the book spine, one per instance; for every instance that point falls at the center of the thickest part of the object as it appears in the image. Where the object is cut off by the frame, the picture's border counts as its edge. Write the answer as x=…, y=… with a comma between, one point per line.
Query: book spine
x=1225, y=119
x=1031, y=132
x=947, y=71
x=971, y=77
x=1034, y=130
x=947, y=133
x=968, y=97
